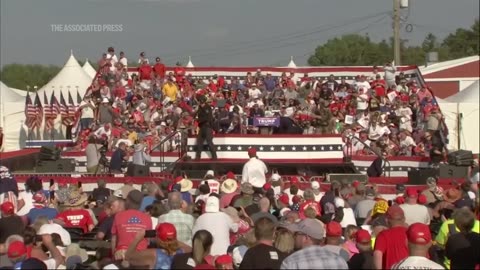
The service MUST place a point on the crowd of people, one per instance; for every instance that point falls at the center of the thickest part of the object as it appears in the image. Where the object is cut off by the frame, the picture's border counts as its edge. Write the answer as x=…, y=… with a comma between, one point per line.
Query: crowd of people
x=388, y=113
x=240, y=222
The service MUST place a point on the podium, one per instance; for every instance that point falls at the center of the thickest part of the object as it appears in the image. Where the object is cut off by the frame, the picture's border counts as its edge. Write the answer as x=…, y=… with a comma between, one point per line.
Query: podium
x=266, y=124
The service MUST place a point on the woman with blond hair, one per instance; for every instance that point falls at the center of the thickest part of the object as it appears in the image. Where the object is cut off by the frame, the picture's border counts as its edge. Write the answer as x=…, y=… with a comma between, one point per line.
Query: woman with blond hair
x=284, y=241
x=200, y=255
x=155, y=258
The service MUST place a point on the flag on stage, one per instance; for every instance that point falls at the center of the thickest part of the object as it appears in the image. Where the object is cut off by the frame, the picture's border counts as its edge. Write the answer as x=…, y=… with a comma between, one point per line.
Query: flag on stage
x=30, y=112
x=38, y=112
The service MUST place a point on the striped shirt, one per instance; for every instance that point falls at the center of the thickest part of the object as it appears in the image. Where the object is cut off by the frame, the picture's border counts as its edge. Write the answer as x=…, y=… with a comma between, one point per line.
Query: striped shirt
x=314, y=257
x=182, y=222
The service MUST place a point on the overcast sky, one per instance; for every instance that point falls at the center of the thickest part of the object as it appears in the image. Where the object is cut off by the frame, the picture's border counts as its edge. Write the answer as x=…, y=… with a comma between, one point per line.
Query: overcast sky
x=213, y=32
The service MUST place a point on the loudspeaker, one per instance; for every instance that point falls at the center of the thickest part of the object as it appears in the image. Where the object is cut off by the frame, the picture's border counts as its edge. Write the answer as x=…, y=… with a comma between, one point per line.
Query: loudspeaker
x=461, y=158
x=66, y=165
x=450, y=171
x=347, y=177
x=138, y=170
x=49, y=153
x=419, y=177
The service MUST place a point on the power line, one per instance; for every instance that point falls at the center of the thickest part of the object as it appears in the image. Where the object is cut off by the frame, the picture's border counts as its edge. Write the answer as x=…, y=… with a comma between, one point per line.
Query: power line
x=231, y=46
x=350, y=32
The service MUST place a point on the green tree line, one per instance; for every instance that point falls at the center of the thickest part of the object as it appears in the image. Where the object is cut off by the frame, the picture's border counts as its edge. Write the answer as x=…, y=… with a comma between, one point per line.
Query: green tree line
x=356, y=49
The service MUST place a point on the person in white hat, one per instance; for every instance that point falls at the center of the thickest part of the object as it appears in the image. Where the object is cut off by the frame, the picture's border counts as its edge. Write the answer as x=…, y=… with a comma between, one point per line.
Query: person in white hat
x=229, y=191
x=277, y=183
x=315, y=185
x=218, y=224
x=212, y=183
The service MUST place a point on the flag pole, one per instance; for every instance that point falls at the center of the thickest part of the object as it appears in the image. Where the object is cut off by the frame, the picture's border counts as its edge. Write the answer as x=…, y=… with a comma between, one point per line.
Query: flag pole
x=29, y=131
x=37, y=126
x=52, y=132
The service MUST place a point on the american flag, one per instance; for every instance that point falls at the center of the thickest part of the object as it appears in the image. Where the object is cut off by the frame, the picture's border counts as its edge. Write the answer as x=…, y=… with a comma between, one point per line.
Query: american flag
x=134, y=220
x=30, y=112
x=55, y=105
x=38, y=112
x=47, y=110
x=72, y=109
x=66, y=120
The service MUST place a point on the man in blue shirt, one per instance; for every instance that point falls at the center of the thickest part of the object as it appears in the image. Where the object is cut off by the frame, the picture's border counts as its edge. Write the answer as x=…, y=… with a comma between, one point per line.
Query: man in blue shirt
x=40, y=208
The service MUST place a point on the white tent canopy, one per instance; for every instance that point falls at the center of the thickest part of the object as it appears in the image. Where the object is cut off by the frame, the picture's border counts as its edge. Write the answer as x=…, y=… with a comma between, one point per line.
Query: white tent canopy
x=467, y=95
x=292, y=64
x=190, y=64
x=12, y=116
x=87, y=67
x=71, y=78
x=462, y=115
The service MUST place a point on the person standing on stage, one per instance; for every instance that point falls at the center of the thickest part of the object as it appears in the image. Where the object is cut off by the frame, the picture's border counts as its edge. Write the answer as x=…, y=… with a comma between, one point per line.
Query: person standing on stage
x=254, y=171
x=205, y=124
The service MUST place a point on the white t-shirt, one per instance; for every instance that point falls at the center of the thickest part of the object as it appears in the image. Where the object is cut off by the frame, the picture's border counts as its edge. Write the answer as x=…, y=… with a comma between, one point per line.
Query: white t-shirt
x=27, y=197
x=50, y=263
x=416, y=213
x=113, y=61
x=254, y=93
x=254, y=172
x=362, y=104
x=407, y=142
x=365, y=85
x=290, y=196
x=87, y=112
x=417, y=262
x=101, y=131
x=124, y=61
x=214, y=186
x=219, y=225
x=348, y=218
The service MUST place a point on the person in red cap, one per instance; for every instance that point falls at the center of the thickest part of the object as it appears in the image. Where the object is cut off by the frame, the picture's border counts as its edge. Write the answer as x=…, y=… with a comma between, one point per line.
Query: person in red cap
x=224, y=262
x=10, y=223
x=363, y=259
x=155, y=258
x=419, y=243
x=294, y=188
x=254, y=171
x=391, y=244
x=333, y=240
x=414, y=212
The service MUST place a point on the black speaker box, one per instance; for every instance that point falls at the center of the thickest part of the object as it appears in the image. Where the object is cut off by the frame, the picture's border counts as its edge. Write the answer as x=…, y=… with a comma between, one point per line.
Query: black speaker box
x=419, y=177
x=49, y=153
x=460, y=158
x=66, y=165
x=451, y=171
x=138, y=170
x=347, y=177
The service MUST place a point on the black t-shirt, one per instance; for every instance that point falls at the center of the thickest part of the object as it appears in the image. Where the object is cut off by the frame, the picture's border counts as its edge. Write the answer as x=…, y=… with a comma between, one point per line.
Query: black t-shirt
x=363, y=260
x=9, y=226
x=463, y=249
x=262, y=256
x=183, y=261
x=106, y=227
x=117, y=160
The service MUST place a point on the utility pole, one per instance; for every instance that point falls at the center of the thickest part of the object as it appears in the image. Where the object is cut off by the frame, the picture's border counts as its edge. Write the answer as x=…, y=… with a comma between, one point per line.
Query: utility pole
x=396, y=32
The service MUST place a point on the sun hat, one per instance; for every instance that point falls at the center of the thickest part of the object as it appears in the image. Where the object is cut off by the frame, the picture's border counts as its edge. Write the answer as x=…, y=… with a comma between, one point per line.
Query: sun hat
x=246, y=188
x=74, y=250
x=229, y=186
x=75, y=198
x=185, y=185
